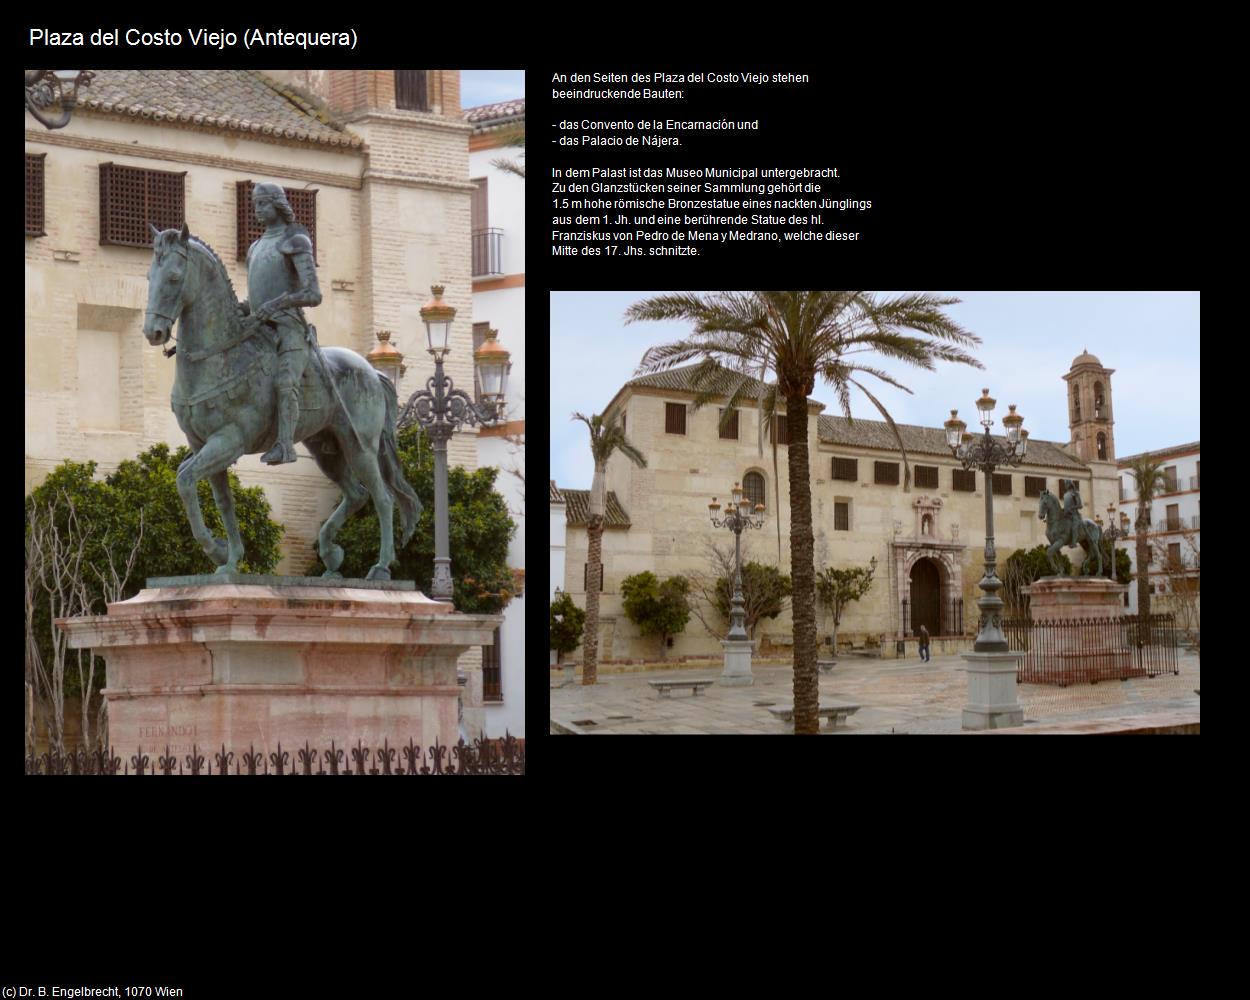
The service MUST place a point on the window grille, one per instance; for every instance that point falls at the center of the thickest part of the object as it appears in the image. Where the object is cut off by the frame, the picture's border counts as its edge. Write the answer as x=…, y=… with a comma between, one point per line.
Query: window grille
x=492, y=674
x=846, y=469
x=885, y=473
x=674, y=418
x=964, y=480
x=411, y=90
x=34, y=194
x=927, y=476
x=1033, y=485
x=781, y=429
x=132, y=198
x=303, y=203
x=729, y=431
x=1002, y=485
x=753, y=487
x=841, y=516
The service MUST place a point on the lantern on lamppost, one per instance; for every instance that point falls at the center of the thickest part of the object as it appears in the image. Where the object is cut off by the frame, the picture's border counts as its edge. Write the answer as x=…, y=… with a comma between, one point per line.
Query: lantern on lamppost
x=440, y=408
x=48, y=87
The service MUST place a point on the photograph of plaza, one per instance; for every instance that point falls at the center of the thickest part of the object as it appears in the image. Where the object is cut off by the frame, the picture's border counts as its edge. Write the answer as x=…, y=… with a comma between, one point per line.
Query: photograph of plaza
x=364, y=232
x=982, y=475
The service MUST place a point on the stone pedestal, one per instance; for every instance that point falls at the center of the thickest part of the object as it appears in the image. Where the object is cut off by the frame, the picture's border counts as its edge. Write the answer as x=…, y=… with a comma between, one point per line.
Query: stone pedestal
x=737, y=672
x=992, y=701
x=1090, y=648
x=245, y=664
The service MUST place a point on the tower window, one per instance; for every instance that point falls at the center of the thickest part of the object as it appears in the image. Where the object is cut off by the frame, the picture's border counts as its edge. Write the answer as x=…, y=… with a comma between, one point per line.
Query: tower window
x=1102, y=447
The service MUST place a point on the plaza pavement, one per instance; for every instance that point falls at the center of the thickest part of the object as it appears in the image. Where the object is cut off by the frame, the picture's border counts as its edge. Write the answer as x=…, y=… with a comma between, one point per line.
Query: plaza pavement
x=899, y=696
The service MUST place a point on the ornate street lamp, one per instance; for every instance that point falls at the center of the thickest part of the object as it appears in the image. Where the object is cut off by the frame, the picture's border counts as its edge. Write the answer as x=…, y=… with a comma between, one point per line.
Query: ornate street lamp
x=48, y=87
x=737, y=518
x=992, y=701
x=1114, y=533
x=986, y=454
x=440, y=408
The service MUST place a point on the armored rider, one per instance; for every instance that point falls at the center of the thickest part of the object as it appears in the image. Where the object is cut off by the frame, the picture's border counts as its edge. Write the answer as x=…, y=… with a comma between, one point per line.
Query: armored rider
x=1071, y=511
x=281, y=279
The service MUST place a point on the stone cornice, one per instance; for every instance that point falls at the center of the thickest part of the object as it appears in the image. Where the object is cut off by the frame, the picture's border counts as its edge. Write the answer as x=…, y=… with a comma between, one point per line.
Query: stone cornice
x=349, y=143
x=418, y=181
x=115, y=148
x=424, y=118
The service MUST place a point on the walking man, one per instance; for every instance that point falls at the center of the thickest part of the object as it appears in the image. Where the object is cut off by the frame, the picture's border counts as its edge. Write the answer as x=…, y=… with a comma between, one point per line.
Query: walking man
x=924, y=644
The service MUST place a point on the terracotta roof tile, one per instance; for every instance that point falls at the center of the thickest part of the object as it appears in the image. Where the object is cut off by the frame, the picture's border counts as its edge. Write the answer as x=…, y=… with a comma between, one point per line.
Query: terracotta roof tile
x=233, y=100
x=555, y=493
x=682, y=380
x=486, y=116
x=578, y=511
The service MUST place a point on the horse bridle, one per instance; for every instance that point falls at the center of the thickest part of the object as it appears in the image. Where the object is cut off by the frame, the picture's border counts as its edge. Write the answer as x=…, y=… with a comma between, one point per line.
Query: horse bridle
x=181, y=251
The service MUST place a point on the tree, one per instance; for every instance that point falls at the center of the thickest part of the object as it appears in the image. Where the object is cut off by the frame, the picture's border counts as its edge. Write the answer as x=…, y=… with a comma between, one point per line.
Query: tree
x=91, y=542
x=1181, y=575
x=796, y=337
x=567, y=620
x=513, y=136
x=765, y=591
x=479, y=530
x=656, y=608
x=839, y=587
x=1150, y=480
x=1026, y=566
x=607, y=436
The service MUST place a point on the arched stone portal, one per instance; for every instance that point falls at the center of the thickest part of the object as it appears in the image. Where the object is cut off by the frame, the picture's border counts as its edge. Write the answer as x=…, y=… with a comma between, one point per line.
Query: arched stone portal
x=935, y=567
x=926, y=597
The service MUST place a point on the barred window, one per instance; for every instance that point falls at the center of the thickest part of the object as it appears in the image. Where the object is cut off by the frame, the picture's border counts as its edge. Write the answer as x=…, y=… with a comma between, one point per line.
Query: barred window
x=1169, y=476
x=927, y=476
x=303, y=203
x=964, y=480
x=729, y=430
x=841, y=516
x=492, y=673
x=885, y=473
x=586, y=576
x=34, y=194
x=132, y=198
x=1033, y=485
x=411, y=92
x=674, y=418
x=781, y=429
x=753, y=487
x=846, y=469
x=1002, y=484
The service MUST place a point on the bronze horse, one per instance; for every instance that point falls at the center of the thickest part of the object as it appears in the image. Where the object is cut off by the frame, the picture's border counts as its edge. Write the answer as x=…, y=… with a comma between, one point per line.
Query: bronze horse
x=1089, y=535
x=223, y=397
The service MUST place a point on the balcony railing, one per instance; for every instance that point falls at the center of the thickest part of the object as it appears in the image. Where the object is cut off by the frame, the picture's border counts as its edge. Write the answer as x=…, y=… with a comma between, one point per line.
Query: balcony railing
x=1193, y=483
x=487, y=256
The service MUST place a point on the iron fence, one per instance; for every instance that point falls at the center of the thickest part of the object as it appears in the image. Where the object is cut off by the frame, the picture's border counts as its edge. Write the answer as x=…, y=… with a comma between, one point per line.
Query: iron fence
x=505, y=756
x=487, y=253
x=1092, y=649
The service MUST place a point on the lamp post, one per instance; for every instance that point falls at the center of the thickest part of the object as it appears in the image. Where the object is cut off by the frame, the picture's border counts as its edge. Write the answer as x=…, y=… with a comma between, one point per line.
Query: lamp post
x=47, y=87
x=1112, y=533
x=737, y=644
x=991, y=664
x=440, y=408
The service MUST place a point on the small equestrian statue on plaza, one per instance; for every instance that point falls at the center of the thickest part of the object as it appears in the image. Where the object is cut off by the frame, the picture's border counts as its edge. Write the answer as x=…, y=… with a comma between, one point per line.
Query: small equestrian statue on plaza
x=1065, y=528
x=244, y=384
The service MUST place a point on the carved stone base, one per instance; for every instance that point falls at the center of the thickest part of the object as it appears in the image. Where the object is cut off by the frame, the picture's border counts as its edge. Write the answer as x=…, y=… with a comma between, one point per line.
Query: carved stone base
x=737, y=671
x=992, y=700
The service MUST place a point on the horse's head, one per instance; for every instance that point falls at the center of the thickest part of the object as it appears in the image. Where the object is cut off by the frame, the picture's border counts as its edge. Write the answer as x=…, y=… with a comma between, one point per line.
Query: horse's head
x=167, y=283
x=1047, y=501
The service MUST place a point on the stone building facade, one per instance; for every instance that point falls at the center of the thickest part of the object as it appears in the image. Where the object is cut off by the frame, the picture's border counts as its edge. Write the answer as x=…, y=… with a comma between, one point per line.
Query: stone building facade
x=927, y=536
x=392, y=203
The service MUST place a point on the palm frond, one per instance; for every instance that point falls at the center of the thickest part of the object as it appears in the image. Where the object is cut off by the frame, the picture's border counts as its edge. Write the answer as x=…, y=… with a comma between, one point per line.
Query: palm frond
x=893, y=427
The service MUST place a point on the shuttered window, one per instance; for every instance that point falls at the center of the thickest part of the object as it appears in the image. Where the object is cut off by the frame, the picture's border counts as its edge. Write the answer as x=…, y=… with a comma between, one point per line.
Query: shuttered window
x=781, y=429
x=964, y=480
x=729, y=430
x=586, y=576
x=303, y=203
x=846, y=469
x=927, y=476
x=132, y=198
x=1033, y=485
x=885, y=473
x=1002, y=485
x=1169, y=476
x=674, y=418
x=34, y=194
x=492, y=673
x=411, y=90
x=841, y=516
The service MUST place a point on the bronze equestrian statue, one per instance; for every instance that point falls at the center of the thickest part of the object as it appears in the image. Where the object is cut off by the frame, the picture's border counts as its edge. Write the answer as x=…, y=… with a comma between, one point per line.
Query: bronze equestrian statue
x=1066, y=529
x=244, y=384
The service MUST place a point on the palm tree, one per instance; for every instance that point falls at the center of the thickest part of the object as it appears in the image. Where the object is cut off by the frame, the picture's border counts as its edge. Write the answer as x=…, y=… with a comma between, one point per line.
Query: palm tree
x=606, y=436
x=795, y=337
x=1149, y=478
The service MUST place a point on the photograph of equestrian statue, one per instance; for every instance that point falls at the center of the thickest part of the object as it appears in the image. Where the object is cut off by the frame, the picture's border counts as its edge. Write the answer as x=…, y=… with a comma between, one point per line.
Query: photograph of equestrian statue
x=275, y=394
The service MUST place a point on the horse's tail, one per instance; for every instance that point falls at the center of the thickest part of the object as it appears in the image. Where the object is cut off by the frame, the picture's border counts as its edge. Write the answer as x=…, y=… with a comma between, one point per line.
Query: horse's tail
x=392, y=471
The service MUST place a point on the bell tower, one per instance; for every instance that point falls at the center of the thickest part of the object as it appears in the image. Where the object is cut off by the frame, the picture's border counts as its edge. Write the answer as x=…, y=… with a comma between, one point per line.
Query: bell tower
x=1089, y=409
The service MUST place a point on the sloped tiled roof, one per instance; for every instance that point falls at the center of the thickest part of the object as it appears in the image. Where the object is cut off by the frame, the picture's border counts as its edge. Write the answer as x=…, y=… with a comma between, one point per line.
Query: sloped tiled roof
x=486, y=116
x=926, y=440
x=578, y=511
x=555, y=493
x=682, y=380
x=1125, y=460
x=229, y=100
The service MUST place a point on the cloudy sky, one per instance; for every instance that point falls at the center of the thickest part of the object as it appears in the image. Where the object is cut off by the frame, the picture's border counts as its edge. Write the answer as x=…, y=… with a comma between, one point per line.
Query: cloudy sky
x=1029, y=340
x=490, y=86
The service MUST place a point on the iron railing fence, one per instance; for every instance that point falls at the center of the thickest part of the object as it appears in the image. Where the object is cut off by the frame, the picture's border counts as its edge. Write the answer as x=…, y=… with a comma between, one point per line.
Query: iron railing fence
x=506, y=756
x=1090, y=650
x=951, y=618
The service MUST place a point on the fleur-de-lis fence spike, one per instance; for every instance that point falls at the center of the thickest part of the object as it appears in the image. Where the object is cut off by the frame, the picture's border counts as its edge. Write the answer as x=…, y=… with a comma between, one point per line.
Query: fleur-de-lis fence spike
x=251, y=759
x=360, y=754
x=386, y=755
x=168, y=761
x=411, y=752
x=140, y=761
x=223, y=760
x=333, y=757
x=195, y=760
x=280, y=758
x=437, y=753
x=306, y=757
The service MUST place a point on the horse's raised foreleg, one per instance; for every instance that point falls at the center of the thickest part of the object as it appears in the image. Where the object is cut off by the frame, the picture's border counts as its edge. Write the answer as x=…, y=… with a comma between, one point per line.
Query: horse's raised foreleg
x=220, y=482
x=219, y=452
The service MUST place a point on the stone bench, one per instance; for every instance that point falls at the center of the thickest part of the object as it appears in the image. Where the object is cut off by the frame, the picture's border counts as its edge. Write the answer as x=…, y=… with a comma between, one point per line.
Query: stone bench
x=826, y=666
x=568, y=669
x=666, y=687
x=833, y=713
